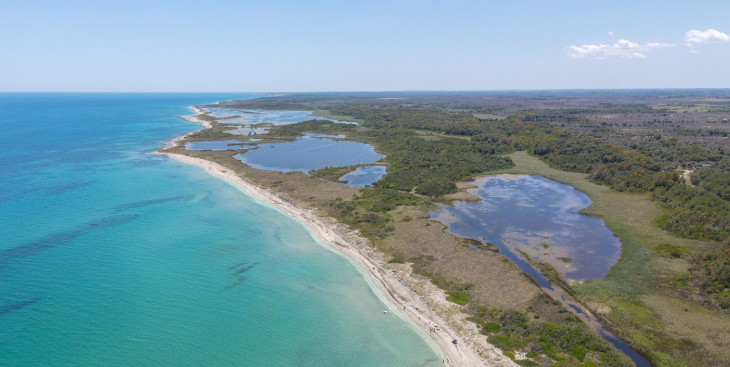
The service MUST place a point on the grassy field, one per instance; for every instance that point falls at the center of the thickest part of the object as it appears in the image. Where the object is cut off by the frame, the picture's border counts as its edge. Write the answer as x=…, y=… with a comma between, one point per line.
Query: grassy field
x=634, y=298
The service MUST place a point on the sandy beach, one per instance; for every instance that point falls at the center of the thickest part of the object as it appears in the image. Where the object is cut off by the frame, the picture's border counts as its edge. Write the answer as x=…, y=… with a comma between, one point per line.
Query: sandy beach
x=412, y=296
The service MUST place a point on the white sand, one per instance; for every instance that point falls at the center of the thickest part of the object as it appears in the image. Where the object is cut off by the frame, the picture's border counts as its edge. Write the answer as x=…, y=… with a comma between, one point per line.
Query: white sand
x=395, y=282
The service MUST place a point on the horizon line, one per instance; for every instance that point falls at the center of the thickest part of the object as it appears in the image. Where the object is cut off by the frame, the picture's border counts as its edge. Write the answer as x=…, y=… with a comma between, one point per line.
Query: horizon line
x=387, y=91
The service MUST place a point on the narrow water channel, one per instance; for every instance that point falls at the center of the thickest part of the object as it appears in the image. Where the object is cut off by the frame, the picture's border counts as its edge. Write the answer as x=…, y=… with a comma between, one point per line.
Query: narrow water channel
x=539, y=217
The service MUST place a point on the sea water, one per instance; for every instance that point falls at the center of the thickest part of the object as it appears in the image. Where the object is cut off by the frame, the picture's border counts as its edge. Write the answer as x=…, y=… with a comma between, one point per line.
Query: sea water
x=113, y=257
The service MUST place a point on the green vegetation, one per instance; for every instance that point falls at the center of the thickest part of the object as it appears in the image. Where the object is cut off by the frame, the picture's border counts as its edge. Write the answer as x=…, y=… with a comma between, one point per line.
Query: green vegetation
x=492, y=327
x=432, y=168
x=458, y=297
x=694, y=212
x=484, y=246
x=216, y=132
x=369, y=211
x=669, y=250
x=332, y=173
x=311, y=126
x=712, y=275
x=619, y=299
x=664, y=296
x=556, y=336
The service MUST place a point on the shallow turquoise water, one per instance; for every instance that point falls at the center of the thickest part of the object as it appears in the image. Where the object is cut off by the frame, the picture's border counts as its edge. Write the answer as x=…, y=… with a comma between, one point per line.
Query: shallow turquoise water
x=110, y=257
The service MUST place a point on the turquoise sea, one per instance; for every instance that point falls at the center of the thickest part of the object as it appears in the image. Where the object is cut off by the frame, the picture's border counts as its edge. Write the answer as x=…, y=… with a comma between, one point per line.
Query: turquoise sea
x=111, y=257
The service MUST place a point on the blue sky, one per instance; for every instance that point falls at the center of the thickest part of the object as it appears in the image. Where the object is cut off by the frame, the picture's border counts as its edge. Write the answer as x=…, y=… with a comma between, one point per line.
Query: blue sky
x=268, y=46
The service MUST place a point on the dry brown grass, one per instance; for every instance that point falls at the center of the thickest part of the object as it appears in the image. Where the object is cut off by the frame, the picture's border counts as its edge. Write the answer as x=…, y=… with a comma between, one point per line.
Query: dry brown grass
x=497, y=282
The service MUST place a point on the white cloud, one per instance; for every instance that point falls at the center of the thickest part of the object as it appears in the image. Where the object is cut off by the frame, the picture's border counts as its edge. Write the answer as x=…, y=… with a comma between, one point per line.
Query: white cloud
x=610, y=33
x=710, y=35
x=693, y=52
x=623, y=49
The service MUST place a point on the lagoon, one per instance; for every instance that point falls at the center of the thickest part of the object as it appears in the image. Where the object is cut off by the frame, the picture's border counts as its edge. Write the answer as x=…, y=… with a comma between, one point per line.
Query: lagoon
x=363, y=176
x=538, y=217
x=308, y=153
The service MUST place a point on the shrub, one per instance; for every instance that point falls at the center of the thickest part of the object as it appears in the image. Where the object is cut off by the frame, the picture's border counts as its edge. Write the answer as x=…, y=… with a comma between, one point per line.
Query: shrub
x=500, y=342
x=459, y=297
x=492, y=327
x=669, y=250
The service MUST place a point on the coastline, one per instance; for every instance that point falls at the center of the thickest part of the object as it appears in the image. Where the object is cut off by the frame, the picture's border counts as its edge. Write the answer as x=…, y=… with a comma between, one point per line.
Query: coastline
x=400, y=297
x=394, y=284
x=169, y=143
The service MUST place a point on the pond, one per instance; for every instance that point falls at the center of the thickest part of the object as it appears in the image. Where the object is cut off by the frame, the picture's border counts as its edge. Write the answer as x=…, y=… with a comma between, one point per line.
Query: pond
x=308, y=153
x=363, y=176
x=538, y=217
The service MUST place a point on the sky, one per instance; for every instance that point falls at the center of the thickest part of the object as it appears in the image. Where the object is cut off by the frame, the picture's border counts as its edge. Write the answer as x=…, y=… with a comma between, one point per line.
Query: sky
x=309, y=46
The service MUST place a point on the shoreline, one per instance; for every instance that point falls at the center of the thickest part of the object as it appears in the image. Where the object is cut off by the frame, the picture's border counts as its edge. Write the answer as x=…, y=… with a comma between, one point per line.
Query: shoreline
x=393, y=283
x=169, y=143
x=332, y=235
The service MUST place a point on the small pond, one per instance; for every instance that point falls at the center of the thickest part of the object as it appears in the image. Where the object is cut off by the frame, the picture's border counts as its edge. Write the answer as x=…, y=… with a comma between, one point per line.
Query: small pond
x=216, y=145
x=539, y=217
x=308, y=153
x=363, y=176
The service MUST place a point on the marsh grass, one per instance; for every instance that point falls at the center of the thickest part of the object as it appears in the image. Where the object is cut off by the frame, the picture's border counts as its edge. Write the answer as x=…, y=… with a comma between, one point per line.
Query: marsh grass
x=628, y=299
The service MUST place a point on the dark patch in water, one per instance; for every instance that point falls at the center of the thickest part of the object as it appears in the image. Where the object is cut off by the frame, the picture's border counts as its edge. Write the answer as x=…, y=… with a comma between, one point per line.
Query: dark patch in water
x=239, y=269
x=238, y=282
x=57, y=239
x=54, y=190
x=109, y=221
x=144, y=203
x=578, y=310
x=245, y=268
x=4, y=310
x=237, y=265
